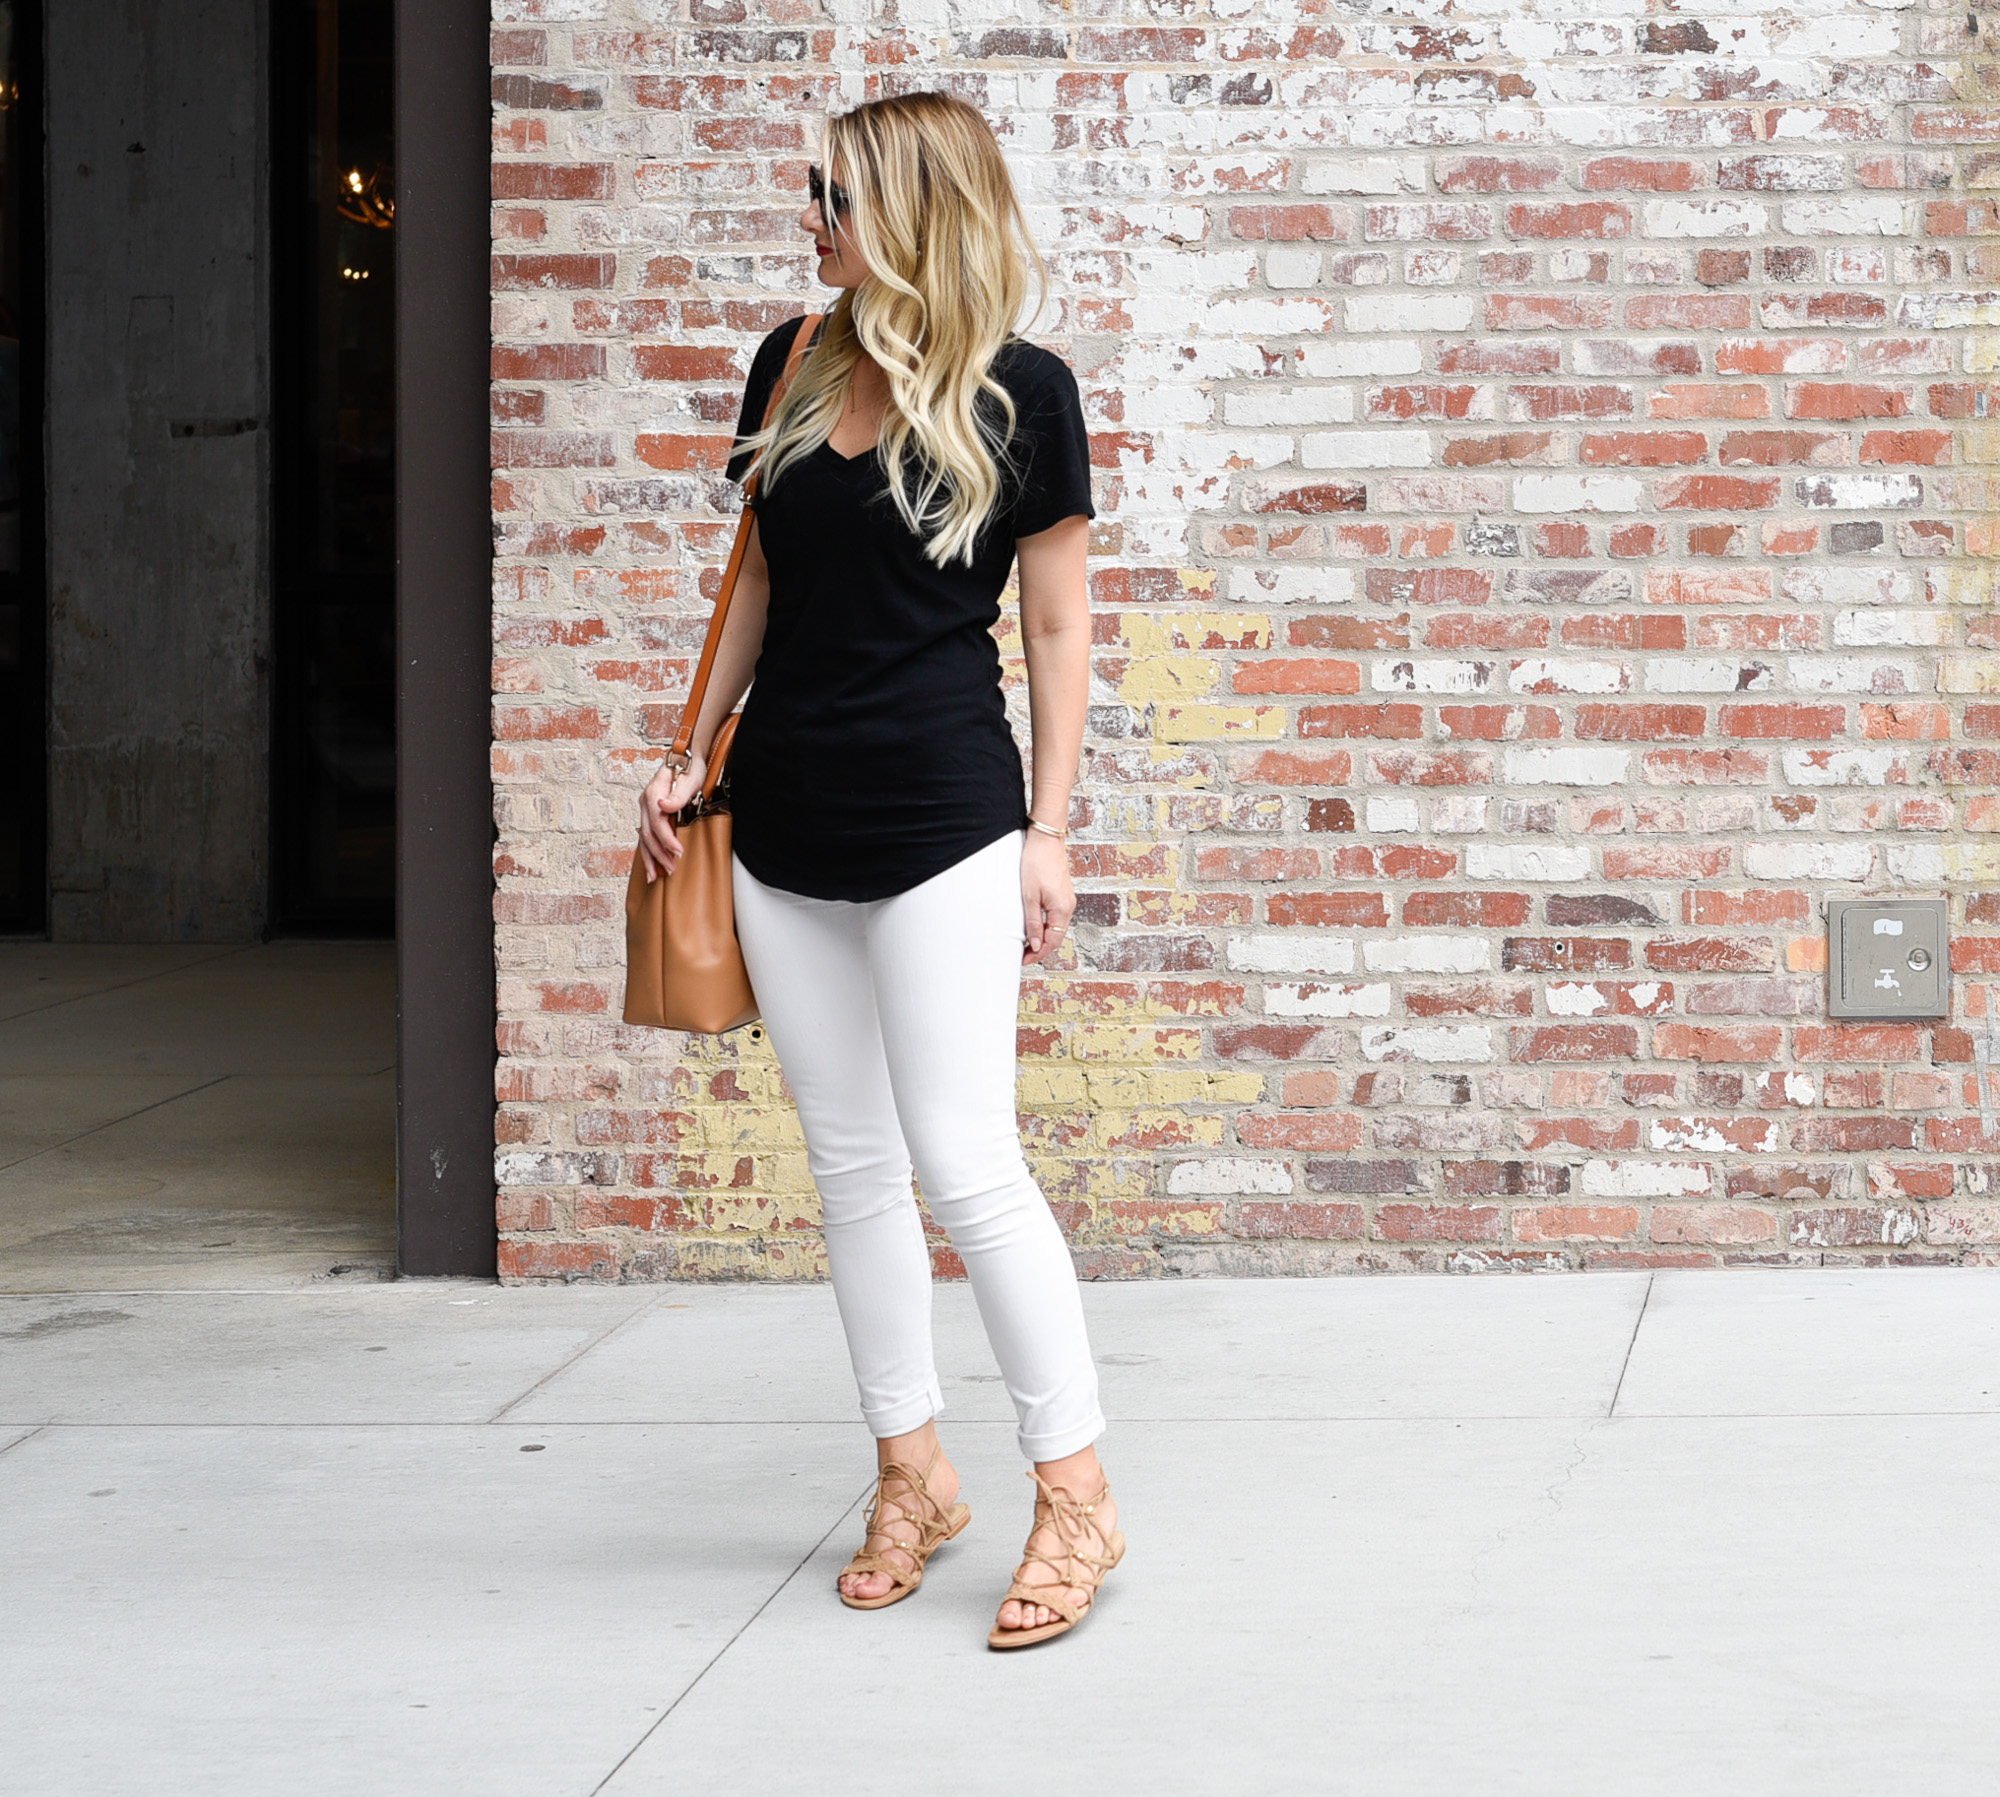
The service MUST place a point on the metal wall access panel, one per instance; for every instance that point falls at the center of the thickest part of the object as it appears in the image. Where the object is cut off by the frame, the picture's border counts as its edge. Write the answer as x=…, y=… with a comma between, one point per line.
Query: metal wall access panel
x=444, y=806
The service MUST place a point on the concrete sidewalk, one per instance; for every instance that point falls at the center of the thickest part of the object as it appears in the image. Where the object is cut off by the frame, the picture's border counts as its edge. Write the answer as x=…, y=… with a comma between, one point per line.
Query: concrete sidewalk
x=1673, y=1533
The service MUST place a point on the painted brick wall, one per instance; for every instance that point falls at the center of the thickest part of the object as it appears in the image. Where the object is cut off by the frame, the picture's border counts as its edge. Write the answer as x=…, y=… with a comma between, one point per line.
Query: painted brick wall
x=1548, y=547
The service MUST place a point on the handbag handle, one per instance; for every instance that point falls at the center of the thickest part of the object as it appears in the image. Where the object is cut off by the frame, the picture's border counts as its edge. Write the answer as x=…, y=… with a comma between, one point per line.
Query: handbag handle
x=680, y=754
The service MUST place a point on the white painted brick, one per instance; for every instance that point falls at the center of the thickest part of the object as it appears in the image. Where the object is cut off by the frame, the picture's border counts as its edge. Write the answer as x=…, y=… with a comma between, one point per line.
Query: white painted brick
x=1364, y=175
x=1969, y=674
x=1707, y=674
x=1338, y=361
x=1851, y=674
x=1845, y=767
x=1645, y=1179
x=1700, y=1134
x=1464, y=1043
x=1808, y=860
x=1458, y=814
x=1292, y=586
x=1366, y=449
x=1326, y=1001
x=1706, y=218
x=1292, y=265
x=1432, y=676
x=1567, y=766
x=1409, y=312
x=1578, y=493
x=1850, y=586
x=1428, y=954
x=1290, y=405
x=1286, y=953
x=1917, y=864
x=1890, y=629
x=1543, y=676
x=1853, y=215
x=1387, y=817
x=1525, y=861
x=1860, y=492
x=1224, y=1178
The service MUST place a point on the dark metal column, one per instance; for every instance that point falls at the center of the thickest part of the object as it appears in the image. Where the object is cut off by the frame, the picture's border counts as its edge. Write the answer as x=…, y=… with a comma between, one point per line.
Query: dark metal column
x=444, y=803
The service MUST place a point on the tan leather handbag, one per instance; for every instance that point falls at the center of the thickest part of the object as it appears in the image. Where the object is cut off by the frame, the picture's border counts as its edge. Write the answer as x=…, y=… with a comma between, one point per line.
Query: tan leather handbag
x=683, y=967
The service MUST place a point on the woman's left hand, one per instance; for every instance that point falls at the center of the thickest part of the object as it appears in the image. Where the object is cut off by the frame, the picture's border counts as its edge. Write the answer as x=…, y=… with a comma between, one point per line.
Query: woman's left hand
x=1048, y=898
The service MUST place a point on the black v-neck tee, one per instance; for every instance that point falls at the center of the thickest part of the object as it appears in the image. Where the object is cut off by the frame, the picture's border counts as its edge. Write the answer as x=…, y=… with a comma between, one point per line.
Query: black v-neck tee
x=874, y=750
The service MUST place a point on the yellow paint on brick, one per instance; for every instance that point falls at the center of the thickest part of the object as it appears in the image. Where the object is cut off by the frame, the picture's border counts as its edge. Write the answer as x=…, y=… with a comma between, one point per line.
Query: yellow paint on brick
x=1156, y=633
x=1197, y=580
x=1975, y=862
x=1177, y=1128
x=747, y=1211
x=1149, y=677
x=1982, y=537
x=749, y=1257
x=1059, y=997
x=1962, y=586
x=1130, y=1089
x=1113, y=1042
x=741, y=1128
x=1981, y=443
x=1969, y=674
x=1046, y=1088
x=1204, y=723
x=1982, y=354
x=1092, y=1179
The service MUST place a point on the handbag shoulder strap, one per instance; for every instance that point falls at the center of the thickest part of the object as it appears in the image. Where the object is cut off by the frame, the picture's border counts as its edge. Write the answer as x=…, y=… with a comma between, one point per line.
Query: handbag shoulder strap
x=679, y=753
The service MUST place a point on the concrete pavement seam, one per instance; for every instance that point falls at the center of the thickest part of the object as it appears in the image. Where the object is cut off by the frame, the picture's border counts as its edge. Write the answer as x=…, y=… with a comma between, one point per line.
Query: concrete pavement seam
x=776, y=1592
x=596, y=1341
x=56, y=1004
x=1625, y=1364
x=112, y=1122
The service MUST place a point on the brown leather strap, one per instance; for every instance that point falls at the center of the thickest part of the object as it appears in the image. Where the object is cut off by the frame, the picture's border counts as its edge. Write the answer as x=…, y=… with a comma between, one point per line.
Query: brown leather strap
x=679, y=752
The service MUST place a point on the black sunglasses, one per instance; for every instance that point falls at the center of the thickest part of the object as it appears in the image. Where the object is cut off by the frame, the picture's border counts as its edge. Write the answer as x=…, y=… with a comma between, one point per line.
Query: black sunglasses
x=817, y=188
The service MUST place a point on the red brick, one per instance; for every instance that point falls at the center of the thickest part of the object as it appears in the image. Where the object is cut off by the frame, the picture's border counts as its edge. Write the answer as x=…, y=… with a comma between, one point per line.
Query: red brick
x=1651, y=722
x=1789, y=723
x=1437, y=1222
x=1698, y=1042
x=1716, y=493
x=1845, y=399
x=1575, y=1222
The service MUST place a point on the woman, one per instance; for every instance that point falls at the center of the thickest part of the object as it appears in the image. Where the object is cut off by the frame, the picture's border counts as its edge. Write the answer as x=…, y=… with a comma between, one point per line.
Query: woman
x=888, y=883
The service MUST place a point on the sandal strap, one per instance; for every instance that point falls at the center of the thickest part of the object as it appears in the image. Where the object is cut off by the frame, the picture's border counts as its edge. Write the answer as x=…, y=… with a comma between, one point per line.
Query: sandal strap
x=930, y=1519
x=866, y=1562
x=1047, y=1596
x=1070, y=1520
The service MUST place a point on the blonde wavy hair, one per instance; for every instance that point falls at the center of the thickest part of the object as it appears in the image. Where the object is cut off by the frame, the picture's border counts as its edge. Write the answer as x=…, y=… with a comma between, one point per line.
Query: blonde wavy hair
x=934, y=214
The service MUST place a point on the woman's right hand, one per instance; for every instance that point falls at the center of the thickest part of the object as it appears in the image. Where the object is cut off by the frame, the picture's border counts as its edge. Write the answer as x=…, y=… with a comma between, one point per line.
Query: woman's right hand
x=666, y=793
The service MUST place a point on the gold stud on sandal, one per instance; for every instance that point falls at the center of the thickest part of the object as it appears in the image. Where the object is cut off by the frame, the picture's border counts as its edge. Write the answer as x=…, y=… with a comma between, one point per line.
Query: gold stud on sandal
x=914, y=1505
x=1073, y=1522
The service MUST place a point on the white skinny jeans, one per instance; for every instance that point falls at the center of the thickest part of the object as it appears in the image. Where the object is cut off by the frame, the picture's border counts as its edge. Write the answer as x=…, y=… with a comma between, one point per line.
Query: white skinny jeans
x=894, y=1021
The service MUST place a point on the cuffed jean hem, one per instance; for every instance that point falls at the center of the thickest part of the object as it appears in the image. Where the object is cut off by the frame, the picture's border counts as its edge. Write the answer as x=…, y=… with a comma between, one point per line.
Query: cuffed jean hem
x=1065, y=1442
x=905, y=1418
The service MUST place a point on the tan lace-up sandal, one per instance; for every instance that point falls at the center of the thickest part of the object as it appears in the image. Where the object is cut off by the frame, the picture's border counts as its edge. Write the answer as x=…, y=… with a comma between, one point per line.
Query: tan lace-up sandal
x=912, y=1505
x=1074, y=1525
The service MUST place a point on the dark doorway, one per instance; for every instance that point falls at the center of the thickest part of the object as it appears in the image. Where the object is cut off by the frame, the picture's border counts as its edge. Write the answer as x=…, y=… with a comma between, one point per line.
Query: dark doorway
x=23, y=609
x=333, y=290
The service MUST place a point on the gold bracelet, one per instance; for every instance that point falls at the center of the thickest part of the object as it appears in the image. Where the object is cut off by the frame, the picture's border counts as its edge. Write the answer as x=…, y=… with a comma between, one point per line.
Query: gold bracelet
x=1035, y=823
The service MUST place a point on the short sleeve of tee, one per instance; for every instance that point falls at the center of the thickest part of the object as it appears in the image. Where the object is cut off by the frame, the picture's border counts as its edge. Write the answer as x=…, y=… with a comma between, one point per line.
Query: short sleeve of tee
x=1050, y=448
